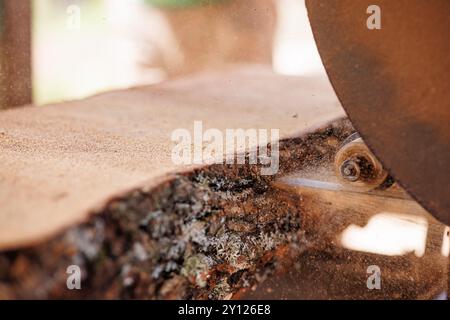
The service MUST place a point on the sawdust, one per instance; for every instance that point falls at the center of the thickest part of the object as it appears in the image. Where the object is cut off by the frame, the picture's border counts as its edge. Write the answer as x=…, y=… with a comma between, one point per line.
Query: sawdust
x=206, y=234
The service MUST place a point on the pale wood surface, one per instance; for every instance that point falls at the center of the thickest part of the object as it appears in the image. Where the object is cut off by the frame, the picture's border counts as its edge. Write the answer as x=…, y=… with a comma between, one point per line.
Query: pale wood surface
x=60, y=162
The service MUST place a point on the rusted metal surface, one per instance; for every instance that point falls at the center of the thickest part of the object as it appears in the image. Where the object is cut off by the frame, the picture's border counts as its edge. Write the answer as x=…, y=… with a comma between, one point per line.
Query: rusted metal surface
x=393, y=83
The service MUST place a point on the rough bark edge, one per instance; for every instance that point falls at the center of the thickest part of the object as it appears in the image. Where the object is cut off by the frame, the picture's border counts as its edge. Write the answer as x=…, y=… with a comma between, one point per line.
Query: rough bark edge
x=204, y=234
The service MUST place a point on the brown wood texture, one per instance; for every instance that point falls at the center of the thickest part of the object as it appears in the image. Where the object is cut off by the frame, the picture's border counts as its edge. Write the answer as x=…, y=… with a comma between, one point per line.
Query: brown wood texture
x=331, y=270
x=15, y=53
x=60, y=162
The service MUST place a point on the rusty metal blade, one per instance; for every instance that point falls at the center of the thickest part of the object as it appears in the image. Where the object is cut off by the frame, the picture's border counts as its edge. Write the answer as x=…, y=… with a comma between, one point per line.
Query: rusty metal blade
x=393, y=82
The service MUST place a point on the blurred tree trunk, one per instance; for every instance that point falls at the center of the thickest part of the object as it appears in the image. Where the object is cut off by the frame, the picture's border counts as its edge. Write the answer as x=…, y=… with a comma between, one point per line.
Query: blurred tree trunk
x=15, y=53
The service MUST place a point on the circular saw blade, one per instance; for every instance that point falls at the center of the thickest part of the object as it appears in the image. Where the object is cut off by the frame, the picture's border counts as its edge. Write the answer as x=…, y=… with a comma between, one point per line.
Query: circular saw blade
x=394, y=84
